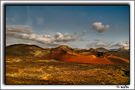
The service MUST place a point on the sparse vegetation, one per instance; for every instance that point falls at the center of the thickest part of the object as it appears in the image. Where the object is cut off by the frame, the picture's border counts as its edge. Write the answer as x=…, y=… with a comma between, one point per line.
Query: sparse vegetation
x=35, y=68
x=56, y=72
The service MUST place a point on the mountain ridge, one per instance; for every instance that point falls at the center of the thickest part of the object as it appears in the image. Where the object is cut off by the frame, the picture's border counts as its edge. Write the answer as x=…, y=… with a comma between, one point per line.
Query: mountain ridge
x=63, y=53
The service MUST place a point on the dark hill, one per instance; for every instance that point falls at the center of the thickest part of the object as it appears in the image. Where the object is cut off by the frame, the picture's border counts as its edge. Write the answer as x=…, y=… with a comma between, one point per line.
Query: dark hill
x=121, y=53
x=25, y=50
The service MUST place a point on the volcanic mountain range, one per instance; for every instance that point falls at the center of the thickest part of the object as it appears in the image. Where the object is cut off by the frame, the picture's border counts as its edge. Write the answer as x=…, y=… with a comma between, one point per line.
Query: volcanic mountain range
x=68, y=54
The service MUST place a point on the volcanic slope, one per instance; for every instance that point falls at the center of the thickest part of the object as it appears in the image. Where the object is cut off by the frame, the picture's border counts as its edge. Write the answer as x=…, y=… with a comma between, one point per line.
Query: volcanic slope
x=62, y=53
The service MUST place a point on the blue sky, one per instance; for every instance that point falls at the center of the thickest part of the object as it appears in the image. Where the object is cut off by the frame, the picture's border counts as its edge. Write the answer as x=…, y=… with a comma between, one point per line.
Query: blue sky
x=77, y=21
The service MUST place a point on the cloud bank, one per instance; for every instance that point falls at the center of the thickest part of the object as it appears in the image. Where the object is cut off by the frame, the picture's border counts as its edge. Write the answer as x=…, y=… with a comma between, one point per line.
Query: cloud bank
x=100, y=27
x=25, y=32
x=124, y=45
x=18, y=29
x=99, y=43
x=110, y=45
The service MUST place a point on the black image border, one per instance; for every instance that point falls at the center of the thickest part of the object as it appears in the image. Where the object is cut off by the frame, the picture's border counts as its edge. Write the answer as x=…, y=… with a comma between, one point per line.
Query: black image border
x=58, y=4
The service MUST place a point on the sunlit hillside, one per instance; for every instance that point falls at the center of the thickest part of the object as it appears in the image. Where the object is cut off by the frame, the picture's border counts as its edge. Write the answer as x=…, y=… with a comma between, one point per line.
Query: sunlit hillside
x=30, y=64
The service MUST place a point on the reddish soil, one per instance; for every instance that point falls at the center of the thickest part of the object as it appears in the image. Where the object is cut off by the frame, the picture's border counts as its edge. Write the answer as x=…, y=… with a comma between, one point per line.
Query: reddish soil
x=91, y=59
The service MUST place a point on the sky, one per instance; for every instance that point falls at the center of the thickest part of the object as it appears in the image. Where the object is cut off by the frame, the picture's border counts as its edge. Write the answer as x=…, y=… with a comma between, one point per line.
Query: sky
x=75, y=26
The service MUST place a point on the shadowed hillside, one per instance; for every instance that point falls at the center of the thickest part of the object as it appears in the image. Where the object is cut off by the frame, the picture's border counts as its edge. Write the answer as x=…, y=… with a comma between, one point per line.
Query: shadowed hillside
x=23, y=50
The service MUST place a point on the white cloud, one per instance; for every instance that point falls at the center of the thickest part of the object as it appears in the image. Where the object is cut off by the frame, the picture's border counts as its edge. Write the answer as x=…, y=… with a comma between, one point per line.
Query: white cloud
x=100, y=27
x=25, y=32
x=109, y=45
x=18, y=29
x=99, y=43
x=59, y=37
x=124, y=45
